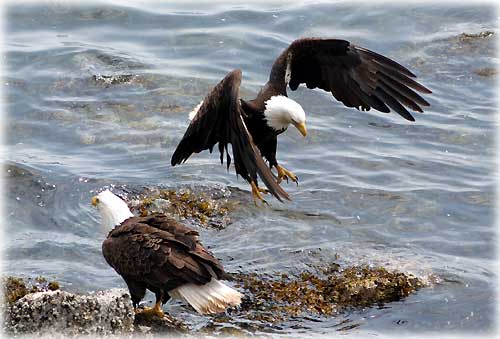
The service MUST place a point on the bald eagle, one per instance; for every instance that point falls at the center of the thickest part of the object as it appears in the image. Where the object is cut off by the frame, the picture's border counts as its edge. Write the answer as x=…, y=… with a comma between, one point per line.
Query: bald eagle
x=162, y=255
x=355, y=76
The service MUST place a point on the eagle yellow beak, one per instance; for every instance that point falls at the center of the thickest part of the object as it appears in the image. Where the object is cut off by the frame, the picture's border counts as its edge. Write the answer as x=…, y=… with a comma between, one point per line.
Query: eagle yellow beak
x=95, y=201
x=302, y=128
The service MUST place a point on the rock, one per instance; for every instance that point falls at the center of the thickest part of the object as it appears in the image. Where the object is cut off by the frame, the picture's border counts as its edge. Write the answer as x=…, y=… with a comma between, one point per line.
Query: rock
x=15, y=288
x=35, y=306
x=209, y=208
x=160, y=205
x=59, y=312
x=108, y=80
x=485, y=72
x=325, y=291
x=168, y=324
x=467, y=37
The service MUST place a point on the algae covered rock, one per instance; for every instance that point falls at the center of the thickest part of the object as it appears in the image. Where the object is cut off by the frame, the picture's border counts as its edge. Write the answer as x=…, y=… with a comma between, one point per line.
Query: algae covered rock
x=271, y=300
x=325, y=292
x=485, y=72
x=108, y=80
x=155, y=325
x=205, y=207
x=16, y=288
x=468, y=37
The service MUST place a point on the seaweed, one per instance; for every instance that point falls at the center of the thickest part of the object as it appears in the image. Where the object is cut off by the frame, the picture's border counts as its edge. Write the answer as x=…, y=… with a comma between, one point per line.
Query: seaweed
x=53, y=285
x=468, y=37
x=323, y=293
x=15, y=288
x=273, y=298
x=202, y=208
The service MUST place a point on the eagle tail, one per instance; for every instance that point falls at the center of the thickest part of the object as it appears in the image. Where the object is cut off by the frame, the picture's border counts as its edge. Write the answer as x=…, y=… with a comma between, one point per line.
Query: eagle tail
x=213, y=297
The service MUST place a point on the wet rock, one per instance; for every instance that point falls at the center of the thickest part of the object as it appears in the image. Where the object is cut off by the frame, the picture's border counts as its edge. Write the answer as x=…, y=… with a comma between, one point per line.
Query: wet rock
x=16, y=288
x=155, y=325
x=102, y=14
x=485, y=72
x=467, y=37
x=324, y=292
x=37, y=307
x=60, y=312
x=276, y=300
x=271, y=300
x=465, y=44
x=108, y=80
x=459, y=57
x=472, y=44
x=207, y=208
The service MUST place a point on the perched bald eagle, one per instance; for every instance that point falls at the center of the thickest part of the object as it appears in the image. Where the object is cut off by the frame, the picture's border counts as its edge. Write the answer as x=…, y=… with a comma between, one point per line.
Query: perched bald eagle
x=160, y=254
x=355, y=76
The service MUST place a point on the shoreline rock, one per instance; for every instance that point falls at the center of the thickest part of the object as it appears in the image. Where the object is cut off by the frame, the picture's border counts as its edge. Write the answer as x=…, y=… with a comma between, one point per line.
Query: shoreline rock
x=61, y=312
x=270, y=300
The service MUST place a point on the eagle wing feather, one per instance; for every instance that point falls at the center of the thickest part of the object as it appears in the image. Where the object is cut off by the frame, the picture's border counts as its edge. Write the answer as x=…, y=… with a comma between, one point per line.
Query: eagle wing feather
x=354, y=75
x=219, y=119
x=158, y=249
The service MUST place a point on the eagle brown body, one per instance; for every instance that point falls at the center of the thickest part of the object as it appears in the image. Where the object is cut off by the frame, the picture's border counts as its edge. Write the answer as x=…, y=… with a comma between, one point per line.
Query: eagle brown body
x=160, y=254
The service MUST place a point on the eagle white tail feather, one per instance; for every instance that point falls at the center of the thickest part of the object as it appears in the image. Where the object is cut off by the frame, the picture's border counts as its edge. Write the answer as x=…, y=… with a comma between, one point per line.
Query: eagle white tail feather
x=213, y=297
x=195, y=110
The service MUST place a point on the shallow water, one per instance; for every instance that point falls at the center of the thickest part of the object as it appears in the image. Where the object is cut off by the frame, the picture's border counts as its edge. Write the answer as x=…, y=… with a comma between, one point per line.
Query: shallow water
x=374, y=188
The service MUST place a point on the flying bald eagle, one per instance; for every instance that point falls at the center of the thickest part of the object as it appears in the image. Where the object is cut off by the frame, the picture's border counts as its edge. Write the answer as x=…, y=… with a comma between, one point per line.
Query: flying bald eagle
x=355, y=76
x=162, y=255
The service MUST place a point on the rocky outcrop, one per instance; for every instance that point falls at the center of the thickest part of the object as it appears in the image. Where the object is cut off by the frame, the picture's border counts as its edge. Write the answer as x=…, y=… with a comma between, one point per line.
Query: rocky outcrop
x=34, y=310
x=60, y=312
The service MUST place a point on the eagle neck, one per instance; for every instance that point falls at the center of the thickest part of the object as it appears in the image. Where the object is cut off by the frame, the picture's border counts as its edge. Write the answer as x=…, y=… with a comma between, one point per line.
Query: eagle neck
x=112, y=217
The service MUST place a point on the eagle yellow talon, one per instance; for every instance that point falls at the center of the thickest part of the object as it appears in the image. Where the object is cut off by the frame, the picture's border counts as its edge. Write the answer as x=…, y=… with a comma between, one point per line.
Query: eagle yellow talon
x=283, y=173
x=156, y=311
x=256, y=193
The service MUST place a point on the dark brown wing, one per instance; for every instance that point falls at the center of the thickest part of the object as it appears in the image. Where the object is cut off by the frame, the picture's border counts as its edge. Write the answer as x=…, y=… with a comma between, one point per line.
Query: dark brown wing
x=354, y=75
x=161, y=252
x=219, y=120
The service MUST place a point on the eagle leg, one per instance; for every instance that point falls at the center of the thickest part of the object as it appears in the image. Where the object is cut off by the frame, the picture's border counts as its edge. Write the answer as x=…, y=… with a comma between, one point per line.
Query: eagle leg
x=156, y=311
x=256, y=193
x=283, y=173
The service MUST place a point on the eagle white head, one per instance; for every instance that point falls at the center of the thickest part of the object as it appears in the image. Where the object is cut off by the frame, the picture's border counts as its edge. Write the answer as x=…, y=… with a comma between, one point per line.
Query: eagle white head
x=113, y=210
x=282, y=112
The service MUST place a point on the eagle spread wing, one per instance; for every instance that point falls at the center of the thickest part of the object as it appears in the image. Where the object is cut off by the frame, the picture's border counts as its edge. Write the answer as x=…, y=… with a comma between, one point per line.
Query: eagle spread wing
x=159, y=251
x=354, y=75
x=219, y=119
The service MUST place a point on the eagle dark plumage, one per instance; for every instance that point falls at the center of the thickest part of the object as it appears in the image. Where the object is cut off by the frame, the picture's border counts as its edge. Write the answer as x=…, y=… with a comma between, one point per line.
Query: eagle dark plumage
x=355, y=76
x=160, y=254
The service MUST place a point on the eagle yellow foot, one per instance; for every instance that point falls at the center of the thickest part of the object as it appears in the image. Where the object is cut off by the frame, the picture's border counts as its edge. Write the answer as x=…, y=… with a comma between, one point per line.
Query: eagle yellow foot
x=283, y=173
x=256, y=193
x=148, y=312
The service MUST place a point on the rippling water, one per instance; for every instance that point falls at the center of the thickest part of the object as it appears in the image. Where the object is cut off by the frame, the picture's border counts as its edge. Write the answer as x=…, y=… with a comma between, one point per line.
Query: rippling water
x=374, y=188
